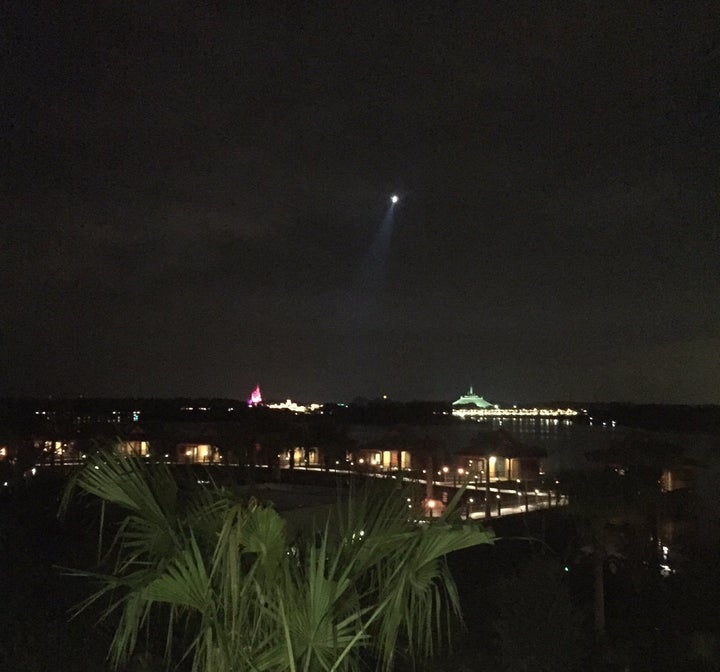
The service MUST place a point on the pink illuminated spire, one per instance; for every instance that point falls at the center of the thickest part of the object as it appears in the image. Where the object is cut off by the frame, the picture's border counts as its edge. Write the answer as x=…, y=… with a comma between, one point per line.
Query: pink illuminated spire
x=255, y=397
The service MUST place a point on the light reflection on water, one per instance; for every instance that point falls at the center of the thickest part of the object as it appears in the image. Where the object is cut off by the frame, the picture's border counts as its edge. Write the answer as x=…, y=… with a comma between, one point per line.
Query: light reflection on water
x=566, y=441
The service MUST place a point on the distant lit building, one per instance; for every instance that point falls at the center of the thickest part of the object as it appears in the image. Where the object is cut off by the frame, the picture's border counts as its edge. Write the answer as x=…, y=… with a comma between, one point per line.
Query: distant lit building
x=55, y=445
x=290, y=405
x=399, y=448
x=471, y=401
x=472, y=406
x=133, y=442
x=197, y=453
x=300, y=456
x=497, y=455
x=388, y=458
x=255, y=397
x=680, y=476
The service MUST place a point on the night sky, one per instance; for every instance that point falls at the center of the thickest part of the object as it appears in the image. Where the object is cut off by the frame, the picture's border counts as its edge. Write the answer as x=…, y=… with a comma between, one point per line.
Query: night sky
x=193, y=200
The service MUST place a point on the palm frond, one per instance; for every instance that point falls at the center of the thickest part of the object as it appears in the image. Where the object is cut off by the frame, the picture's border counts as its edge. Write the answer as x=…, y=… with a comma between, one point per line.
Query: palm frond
x=368, y=582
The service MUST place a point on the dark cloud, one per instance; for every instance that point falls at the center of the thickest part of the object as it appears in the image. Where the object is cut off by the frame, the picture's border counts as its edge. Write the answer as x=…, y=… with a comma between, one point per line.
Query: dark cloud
x=190, y=199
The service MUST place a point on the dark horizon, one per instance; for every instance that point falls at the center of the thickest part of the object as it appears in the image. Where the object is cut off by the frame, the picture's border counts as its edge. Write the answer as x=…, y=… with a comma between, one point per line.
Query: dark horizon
x=240, y=403
x=195, y=201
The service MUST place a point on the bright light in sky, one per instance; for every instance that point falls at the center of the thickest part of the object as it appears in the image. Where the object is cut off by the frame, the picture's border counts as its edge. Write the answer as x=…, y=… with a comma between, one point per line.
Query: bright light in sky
x=394, y=198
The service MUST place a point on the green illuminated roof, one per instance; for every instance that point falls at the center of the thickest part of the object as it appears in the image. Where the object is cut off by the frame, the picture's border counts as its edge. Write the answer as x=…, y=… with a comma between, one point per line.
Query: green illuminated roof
x=472, y=399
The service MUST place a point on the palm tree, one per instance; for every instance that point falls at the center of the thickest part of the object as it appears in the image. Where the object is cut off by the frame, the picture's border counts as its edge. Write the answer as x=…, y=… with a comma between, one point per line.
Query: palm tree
x=363, y=585
x=606, y=504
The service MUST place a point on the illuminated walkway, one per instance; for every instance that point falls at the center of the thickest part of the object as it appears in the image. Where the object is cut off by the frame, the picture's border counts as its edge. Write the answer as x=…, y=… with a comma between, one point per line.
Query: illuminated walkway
x=504, y=500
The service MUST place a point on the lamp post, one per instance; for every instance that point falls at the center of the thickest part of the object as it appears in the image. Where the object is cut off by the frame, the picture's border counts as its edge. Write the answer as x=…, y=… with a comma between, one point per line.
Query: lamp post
x=487, y=491
x=519, y=491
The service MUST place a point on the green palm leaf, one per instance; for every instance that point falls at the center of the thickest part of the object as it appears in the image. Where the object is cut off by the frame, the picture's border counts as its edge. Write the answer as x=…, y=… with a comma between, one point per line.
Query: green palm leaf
x=369, y=583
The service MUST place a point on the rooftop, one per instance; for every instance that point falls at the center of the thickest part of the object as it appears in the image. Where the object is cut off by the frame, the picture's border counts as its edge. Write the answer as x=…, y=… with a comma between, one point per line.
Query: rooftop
x=472, y=399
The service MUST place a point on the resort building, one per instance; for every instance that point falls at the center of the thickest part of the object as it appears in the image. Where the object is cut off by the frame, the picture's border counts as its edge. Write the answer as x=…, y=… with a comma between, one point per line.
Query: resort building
x=300, y=456
x=197, y=453
x=498, y=456
x=399, y=448
x=133, y=442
